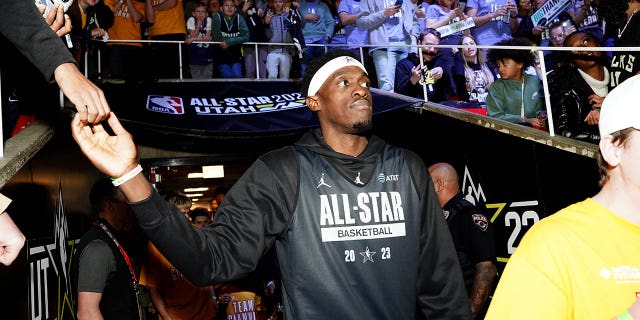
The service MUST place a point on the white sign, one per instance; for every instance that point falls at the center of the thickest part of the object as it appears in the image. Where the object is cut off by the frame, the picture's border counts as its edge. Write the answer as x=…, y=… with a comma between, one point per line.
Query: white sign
x=549, y=11
x=456, y=27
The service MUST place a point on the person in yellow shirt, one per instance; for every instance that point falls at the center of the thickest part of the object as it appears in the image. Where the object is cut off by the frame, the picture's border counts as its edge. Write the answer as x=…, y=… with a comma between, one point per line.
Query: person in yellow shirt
x=173, y=296
x=169, y=25
x=582, y=262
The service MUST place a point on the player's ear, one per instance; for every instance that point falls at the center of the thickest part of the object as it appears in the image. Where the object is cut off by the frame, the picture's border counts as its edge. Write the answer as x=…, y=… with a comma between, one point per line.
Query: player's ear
x=313, y=102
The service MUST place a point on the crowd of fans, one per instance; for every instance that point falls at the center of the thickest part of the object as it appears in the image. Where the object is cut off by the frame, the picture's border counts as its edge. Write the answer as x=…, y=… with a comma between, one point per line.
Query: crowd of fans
x=223, y=39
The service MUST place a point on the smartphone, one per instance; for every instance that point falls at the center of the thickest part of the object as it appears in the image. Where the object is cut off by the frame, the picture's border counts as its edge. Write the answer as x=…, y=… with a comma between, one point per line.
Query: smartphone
x=462, y=4
x=398, y=3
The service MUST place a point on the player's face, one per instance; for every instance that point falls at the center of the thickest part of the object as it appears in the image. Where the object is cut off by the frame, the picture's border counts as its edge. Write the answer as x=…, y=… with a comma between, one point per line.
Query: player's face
x=344, y=101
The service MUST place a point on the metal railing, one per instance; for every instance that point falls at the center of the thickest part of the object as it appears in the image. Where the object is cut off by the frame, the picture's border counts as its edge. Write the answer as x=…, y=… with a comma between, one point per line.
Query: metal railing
x=363, y=49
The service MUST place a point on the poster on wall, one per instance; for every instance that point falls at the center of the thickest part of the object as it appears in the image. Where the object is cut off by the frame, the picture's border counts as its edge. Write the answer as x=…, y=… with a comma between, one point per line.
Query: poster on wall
x=49, y=259
x=510, y=217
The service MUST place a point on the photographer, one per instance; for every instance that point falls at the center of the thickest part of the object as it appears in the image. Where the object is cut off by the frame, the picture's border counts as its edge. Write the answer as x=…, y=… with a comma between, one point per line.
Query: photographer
x=415, y=79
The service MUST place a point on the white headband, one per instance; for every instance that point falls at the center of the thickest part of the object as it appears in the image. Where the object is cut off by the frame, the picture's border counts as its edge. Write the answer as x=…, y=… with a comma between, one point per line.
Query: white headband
x=328, y=69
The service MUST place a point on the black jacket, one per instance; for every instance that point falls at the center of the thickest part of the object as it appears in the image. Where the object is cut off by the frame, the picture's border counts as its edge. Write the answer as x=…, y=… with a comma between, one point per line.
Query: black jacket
x=118, y=301
x=22, y=24
x=258, y=211
x=569, y=95
x=437, y=92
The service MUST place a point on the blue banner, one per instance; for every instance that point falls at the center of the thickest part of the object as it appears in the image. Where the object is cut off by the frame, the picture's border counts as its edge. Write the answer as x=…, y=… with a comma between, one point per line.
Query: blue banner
x=221, y=107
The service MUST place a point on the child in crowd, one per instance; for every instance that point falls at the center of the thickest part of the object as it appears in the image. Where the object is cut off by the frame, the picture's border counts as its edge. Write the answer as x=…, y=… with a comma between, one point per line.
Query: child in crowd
x=279, y=28
x=515, y=97
x=231, y=30
x=200, y=54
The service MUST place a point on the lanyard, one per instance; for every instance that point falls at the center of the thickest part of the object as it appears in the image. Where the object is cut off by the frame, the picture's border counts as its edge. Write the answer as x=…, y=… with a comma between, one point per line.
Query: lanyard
x=128, y=261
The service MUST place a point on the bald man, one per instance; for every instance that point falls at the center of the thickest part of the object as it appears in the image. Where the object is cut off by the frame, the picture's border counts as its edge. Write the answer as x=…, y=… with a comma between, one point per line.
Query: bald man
x=472, y=235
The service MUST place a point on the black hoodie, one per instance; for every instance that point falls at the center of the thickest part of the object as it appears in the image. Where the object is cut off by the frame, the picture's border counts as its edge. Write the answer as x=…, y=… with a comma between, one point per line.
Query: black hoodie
x=356, y=237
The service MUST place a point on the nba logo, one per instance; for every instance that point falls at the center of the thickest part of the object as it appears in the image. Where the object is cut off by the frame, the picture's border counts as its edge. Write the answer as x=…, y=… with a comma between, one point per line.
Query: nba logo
x=165, y=104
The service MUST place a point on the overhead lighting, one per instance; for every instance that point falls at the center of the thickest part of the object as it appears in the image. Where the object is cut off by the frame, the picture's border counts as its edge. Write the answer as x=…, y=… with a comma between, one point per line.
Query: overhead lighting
x=200, y=189
x=195, y=199
x=213, y=171
x=208, y=172
x=191, y=195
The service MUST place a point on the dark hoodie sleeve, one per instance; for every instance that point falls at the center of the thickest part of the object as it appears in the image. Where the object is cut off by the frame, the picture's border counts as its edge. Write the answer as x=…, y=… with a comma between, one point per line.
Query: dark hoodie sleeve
x=254, y=211
x=403, y=83
x=440, y=287
x=22, y=24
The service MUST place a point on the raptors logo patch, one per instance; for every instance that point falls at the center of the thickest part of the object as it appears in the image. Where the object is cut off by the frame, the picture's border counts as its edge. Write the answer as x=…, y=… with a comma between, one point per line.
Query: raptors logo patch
x=480, y=221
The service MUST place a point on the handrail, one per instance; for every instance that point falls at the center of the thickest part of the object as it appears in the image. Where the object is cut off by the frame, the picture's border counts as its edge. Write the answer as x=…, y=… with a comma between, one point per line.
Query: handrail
x=361, y=49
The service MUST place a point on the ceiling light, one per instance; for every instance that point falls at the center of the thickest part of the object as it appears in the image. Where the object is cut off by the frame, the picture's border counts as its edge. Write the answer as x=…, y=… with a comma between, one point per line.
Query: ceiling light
x=195, y=199
x=213, y=171
x=200, y=189
x=191, y=195
x=194, y=175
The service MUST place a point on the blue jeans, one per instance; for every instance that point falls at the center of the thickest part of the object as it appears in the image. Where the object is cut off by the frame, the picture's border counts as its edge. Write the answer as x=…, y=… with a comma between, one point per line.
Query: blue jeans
x=386, y=61
x=312, y=52
x=230, y=70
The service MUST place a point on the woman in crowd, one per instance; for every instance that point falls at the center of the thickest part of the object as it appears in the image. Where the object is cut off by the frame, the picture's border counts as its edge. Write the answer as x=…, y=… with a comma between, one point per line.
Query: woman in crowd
x=558, y=31
x=577, y=89
x=472, y=74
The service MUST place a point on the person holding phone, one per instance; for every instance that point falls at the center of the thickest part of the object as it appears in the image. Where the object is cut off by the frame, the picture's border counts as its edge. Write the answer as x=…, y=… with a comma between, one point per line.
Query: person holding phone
x=489, y=19
x=393, y=25
x=440, y=14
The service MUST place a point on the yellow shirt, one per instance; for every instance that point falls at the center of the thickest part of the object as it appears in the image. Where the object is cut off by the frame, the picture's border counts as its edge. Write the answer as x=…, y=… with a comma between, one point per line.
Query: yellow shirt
x=580, y=263
x=182, y=299
x=168, y=21
x=124, y=28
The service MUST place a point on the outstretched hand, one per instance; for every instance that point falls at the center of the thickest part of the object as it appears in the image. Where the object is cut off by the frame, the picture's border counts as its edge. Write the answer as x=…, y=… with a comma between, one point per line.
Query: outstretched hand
x=89, y=100
x=84, y=94
x=114, y=155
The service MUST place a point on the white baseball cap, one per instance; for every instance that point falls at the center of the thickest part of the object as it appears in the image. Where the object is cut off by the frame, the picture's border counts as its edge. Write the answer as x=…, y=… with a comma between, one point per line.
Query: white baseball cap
x=621, y=107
